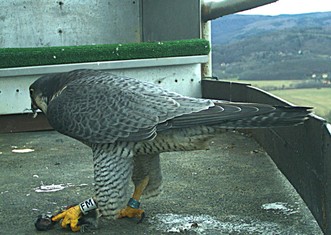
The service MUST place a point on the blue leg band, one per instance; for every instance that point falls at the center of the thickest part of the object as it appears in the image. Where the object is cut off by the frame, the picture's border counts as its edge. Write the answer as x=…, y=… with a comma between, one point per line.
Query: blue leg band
x=133, y=203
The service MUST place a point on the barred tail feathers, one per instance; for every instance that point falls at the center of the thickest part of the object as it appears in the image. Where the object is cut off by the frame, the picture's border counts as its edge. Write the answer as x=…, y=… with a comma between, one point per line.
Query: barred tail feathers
x=243, y=115
x=281, y=116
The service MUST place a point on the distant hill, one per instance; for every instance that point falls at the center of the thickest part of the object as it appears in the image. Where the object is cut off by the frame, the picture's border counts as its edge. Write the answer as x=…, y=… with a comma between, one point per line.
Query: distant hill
x=255, y=47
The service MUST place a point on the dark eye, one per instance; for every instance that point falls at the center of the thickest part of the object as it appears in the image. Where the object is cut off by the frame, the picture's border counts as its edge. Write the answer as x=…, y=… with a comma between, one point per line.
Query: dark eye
x=31, y=92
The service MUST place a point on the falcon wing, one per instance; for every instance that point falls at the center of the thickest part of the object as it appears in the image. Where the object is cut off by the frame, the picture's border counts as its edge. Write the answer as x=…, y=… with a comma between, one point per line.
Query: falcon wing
x=243, y=115
x=104, y=108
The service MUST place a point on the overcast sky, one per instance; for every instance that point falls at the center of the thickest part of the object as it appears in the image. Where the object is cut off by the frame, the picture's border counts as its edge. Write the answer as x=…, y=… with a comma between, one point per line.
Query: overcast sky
x=291, y=7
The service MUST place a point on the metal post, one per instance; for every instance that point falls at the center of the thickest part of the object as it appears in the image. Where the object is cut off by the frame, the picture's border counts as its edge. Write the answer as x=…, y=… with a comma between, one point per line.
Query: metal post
x=206, y=68
x=212, y=9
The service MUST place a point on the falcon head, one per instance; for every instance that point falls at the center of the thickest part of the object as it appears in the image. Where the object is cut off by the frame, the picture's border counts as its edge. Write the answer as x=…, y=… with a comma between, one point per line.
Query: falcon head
x=43, y=90
x=38, y=100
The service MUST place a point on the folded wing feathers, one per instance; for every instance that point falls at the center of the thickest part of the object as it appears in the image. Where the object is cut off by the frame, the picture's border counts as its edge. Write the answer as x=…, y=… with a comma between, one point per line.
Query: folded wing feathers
x=242, y=115
x=105, y=108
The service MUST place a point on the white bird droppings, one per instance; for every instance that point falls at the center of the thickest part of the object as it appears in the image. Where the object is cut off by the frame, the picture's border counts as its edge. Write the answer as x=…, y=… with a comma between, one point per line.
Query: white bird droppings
x=22, y=150
x=49, y=188
x=279, y=207
x=206, y=224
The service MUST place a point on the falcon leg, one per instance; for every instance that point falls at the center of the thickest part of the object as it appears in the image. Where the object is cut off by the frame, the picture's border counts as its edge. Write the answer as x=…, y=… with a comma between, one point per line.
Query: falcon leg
x=132, y=209
x=147, y=179
x=112, y=172
x=148, y=166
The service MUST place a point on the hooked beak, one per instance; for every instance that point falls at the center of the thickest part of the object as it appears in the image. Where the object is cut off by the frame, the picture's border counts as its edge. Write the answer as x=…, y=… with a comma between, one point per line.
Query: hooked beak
x=34, y=109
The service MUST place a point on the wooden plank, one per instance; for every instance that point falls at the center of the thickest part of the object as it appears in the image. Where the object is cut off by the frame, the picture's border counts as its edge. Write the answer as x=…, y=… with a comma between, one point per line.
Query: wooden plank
x=23, y=122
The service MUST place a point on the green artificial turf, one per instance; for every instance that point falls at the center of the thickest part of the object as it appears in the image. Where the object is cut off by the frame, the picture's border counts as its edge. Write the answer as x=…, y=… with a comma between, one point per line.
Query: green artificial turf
x=22, y=57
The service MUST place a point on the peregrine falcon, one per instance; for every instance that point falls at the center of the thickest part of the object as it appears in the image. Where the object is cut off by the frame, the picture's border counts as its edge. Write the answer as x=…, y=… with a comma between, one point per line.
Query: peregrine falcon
x=128, y=123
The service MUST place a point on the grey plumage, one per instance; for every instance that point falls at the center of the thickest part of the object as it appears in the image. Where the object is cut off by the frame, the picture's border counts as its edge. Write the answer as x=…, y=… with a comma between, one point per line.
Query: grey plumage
x=121, y=118
x=112, y=171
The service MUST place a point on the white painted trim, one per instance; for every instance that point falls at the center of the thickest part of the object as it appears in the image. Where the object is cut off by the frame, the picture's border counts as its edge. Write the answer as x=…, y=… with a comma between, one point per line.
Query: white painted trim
x=119, y=64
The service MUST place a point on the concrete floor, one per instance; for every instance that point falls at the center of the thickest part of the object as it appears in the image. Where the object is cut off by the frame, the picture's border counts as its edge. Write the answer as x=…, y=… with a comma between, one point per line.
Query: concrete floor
x=233, y=188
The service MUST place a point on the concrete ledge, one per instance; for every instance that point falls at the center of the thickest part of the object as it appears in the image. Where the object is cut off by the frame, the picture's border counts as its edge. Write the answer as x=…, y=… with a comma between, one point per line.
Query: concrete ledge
x=232, y=188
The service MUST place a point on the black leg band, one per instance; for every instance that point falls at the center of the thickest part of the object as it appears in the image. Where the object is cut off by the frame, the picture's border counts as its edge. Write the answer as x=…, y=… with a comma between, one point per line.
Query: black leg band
x=133, y=203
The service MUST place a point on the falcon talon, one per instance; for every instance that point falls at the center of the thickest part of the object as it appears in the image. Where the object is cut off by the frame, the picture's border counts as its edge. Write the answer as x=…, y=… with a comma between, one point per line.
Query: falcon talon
x=89, y=222
x=143, y=215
